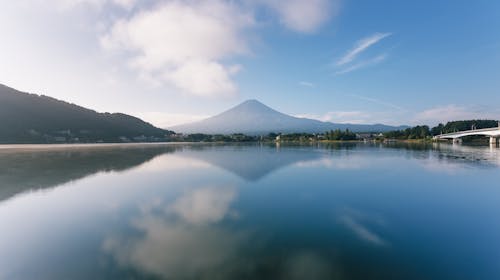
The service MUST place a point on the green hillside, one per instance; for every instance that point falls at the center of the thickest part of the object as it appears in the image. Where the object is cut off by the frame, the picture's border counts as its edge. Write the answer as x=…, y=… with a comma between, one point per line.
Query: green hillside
x=31, y=118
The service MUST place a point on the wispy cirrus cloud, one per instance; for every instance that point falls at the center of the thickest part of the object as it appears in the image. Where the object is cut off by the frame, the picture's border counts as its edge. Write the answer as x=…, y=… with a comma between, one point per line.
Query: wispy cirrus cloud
x=357, y=117
x=445, y=113
x=394, y=114
x=378, y=101
x=349, y=62
x=165, y=120
x=361, y=46
x=307, y=84
x=363, y=64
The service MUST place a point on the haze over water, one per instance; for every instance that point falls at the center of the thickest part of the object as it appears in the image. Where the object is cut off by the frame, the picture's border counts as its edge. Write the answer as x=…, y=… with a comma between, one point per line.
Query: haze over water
x=344, y=211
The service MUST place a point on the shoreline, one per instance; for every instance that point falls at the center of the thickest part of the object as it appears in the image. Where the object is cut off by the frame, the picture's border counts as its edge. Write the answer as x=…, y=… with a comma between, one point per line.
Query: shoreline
x=35, y=146
x=87, y=145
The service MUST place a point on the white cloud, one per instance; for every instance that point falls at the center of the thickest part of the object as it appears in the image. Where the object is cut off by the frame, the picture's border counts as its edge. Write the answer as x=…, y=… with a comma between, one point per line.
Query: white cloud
x=187, y=44
x=114, y=55
x=363, y=64
x=358, y=117
x=64, y=5
x=184, y=44
x=365, y=116
x=361, y=46
x=307, y=84
x=442, y=114
x=203, y=78
x=70, y=4
x=378, y=101
x=303, y=15
x=452, y=112
x=387, y=113
x=127, y=4
x=164, y=120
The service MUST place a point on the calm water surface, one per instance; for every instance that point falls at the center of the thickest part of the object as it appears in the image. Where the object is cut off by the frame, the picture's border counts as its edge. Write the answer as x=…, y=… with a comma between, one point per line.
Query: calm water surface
x=357, y=211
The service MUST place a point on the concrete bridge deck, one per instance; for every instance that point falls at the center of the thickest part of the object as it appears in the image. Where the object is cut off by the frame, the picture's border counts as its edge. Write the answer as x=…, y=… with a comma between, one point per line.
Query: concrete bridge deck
x=493, y=133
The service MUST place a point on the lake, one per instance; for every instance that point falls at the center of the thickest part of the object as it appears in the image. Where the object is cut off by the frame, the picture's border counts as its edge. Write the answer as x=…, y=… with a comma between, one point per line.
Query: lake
x=200, y=211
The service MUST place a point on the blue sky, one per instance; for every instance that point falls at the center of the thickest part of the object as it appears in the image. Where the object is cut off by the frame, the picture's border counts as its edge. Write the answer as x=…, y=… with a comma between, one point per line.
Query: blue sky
x=173, y=61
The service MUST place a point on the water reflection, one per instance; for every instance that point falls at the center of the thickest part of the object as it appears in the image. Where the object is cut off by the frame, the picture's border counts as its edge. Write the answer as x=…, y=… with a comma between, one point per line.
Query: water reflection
x=181, y=239
x=432, y=157
x=360, y=211
x=358, y=222
x=451, y=153
x=42, y=167
x=31, y=169
x=198, y=236
x=252, y=164
x=204, y=205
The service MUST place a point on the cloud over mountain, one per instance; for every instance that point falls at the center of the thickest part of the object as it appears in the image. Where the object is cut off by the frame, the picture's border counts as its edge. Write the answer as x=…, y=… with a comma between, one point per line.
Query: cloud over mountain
x=189, y=44
x=183, y=43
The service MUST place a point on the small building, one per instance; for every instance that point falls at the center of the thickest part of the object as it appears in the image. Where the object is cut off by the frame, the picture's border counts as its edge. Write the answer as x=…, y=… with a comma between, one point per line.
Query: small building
x=141, y=138
x=60, y=139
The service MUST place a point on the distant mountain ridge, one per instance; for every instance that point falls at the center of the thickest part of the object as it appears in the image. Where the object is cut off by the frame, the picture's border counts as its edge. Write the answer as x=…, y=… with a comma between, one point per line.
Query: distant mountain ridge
x=254, y=118
x=31, y=118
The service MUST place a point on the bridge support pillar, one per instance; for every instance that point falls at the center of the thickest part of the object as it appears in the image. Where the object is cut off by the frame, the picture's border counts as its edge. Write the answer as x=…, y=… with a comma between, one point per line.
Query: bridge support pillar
x=493, y=141
x=457, y=140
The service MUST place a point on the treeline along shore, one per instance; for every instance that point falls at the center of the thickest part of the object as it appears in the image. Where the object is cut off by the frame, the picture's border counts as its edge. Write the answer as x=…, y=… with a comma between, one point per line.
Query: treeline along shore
x=417, y=133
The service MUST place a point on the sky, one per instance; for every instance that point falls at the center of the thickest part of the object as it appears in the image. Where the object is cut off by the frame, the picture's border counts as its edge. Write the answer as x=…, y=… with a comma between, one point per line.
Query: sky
x=177, y=61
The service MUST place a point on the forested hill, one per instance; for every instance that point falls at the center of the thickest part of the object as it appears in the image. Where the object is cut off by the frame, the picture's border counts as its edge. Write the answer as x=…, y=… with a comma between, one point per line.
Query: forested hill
x=454, y=126
x=31, y=118
x=423, y=131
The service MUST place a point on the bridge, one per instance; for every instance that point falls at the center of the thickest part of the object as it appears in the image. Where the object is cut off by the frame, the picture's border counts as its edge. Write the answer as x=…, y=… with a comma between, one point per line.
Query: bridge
x=493, y=133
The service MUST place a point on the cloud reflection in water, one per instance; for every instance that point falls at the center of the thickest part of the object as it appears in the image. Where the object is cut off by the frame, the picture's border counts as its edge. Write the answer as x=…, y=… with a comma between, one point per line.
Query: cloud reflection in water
x=188, y=246
x=358, y=222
